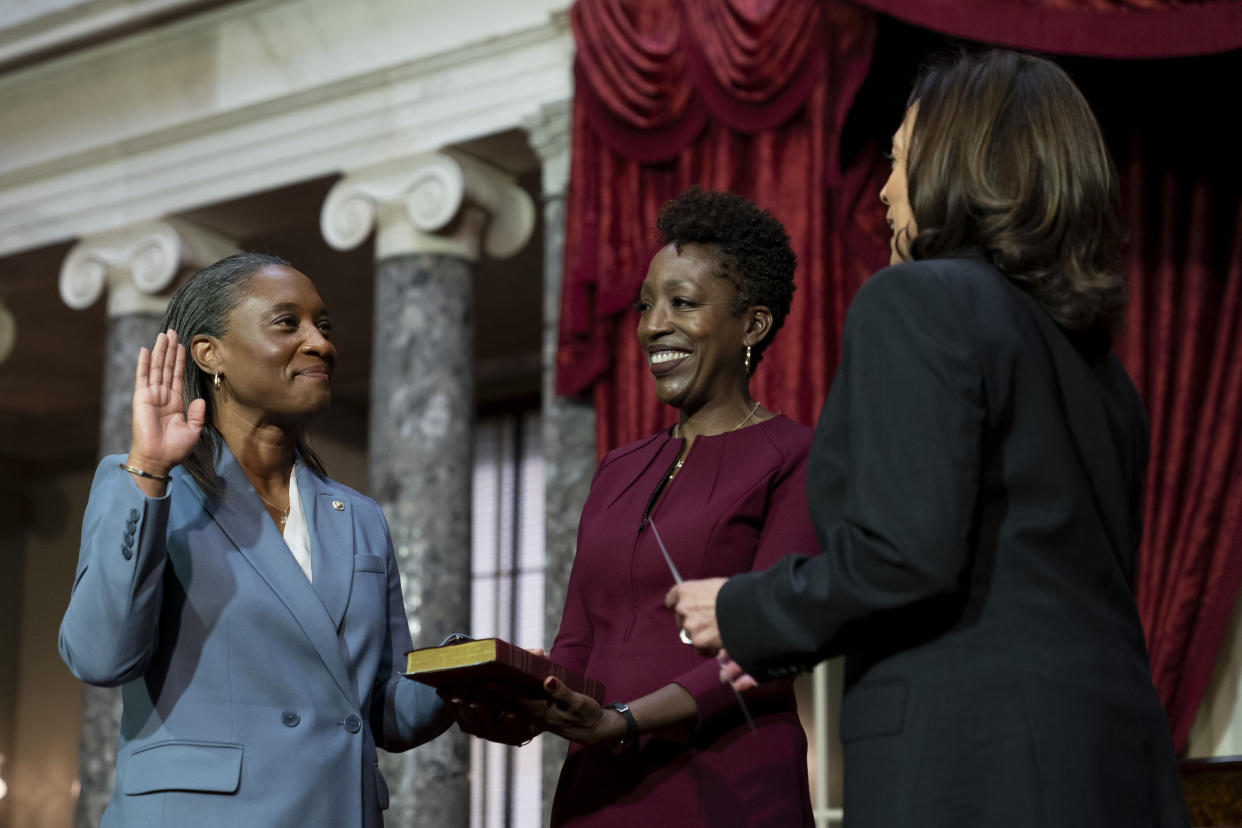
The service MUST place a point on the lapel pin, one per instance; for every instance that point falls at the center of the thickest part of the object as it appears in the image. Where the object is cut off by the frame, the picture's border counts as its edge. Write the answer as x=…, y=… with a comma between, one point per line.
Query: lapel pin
x=338, y=505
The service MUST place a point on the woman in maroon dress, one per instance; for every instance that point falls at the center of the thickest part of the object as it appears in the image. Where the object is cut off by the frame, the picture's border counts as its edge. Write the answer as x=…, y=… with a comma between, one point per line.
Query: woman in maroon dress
x=725, y=489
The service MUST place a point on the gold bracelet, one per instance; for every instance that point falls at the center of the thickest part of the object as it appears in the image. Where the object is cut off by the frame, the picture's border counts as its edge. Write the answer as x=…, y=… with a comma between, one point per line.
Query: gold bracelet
x=140, y=473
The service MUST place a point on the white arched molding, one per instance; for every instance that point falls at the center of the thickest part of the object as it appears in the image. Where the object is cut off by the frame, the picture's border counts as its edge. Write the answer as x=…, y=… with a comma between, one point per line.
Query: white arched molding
x=8, y=331
x=136, y=264
x=436, y=202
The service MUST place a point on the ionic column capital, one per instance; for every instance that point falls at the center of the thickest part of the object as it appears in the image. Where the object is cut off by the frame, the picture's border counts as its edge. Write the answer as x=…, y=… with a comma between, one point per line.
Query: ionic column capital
x=437, y=202
x=548, y=132
x=137, y=263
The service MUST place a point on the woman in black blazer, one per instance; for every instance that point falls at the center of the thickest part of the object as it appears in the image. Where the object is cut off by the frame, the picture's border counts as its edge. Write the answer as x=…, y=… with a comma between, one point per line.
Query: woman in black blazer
x=975, y=486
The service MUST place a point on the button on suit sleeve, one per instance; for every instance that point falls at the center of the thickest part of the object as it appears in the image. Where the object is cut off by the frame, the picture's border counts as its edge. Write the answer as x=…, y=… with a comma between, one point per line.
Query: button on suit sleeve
x=110, y=627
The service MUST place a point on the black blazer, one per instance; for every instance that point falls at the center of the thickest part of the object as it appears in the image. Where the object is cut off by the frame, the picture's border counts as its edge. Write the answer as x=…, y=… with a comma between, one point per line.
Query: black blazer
x=975, y=486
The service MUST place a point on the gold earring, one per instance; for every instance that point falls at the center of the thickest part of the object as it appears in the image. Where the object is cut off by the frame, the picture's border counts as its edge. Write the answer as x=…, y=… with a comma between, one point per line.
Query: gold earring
x=215, y=382
x=746, y=363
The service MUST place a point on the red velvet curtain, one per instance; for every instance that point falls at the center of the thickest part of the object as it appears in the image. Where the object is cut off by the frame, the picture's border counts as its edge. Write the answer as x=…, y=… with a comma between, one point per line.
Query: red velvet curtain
x=740, y=95
x=1183, y=347
x=1098, y=28
x=733, y=94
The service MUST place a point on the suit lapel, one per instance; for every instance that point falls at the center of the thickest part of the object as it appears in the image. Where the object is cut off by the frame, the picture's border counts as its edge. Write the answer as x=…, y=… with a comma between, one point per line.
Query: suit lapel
x=241, y=516
x=330, y=523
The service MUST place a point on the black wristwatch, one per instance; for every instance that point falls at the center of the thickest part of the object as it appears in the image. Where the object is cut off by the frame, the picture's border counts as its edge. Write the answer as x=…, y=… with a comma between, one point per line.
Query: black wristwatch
x=631, y=726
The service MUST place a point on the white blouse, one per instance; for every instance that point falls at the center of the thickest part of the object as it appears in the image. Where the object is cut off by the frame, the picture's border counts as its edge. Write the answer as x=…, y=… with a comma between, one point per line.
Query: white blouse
x=297, y=538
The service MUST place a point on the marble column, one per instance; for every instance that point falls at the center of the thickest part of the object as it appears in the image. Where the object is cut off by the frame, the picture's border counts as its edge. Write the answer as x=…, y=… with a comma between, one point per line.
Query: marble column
x=568, y=424
x=8, y=331
x=136, y=266
x=433, y=216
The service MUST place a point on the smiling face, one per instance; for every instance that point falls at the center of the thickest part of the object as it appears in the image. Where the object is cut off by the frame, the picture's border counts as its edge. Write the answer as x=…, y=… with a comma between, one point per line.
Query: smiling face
x=895, y=195
x=694, y=342
x=276, y=358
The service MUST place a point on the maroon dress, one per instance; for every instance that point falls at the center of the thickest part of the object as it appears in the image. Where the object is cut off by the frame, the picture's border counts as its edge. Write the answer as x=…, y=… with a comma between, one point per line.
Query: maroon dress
x=737, y=505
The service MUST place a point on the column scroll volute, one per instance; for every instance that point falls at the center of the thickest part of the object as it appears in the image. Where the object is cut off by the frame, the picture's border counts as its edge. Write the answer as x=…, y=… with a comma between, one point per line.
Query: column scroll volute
x=138, y=263
x=438, y=202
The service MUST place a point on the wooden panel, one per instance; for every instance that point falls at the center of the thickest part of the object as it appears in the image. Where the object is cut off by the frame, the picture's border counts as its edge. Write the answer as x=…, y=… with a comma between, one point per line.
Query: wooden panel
x=1213, y=790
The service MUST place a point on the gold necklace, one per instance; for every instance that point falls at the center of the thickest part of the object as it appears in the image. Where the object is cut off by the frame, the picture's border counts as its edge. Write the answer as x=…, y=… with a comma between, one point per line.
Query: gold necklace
x=677, y=433
x=746, y=418
x=284, y=513
x=677, y=426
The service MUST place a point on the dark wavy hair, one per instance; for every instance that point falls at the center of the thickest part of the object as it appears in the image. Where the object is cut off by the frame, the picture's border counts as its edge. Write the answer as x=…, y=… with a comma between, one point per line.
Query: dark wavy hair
x=202, y=305
x=752, y=246
x=1007, y=157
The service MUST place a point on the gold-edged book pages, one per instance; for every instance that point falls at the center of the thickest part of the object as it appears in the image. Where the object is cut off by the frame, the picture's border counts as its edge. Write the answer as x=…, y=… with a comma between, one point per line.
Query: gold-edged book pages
x=493, y=666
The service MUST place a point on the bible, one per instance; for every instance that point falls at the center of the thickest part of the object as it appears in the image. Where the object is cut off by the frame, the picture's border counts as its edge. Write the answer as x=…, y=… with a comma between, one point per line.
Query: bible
x=494, y=666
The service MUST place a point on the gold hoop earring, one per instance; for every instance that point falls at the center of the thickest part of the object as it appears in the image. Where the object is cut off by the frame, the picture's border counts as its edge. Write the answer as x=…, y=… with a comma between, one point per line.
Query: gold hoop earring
x=746, y=363
x=215, y=381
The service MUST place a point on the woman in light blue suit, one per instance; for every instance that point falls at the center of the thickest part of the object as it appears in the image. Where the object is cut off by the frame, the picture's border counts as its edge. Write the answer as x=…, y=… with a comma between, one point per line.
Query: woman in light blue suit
x=249, y=606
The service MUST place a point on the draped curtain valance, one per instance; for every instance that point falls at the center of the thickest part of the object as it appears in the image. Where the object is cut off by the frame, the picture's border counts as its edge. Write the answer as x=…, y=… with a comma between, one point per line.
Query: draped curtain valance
x=1129, y=29
x=651, y=74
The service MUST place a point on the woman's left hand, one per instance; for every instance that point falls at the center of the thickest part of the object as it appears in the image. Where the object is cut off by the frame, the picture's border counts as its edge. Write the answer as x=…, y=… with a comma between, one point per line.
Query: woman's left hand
x=575, y=716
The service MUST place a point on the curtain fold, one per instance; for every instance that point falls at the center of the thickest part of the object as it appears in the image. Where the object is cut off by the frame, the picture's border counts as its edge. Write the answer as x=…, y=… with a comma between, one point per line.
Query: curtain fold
x=1183, y=347
x=651, y=73
x=1094, y=28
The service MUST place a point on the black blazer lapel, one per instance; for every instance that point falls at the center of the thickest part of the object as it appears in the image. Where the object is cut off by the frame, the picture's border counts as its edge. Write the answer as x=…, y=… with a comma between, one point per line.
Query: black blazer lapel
x=241, y=516
x=330, y=523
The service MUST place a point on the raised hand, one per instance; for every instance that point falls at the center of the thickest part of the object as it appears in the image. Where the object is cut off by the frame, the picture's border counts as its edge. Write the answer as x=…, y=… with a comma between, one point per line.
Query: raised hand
x=162, y=433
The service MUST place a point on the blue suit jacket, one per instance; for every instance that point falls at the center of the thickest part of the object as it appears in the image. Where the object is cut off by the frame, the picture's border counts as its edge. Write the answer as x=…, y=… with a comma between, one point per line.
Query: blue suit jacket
x=251, y=695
